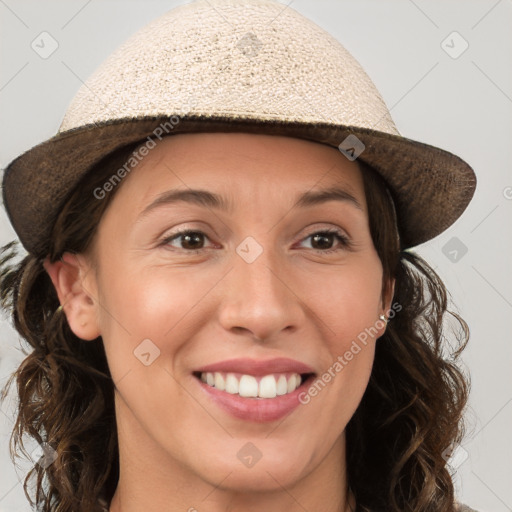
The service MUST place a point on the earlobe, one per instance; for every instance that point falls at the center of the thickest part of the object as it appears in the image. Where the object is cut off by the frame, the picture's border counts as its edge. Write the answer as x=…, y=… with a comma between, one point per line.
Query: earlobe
x=73, y=280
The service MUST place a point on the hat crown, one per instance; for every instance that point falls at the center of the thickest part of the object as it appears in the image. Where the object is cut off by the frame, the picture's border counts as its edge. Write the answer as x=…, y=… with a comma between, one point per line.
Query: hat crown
x=248, y=59
x=255, y=66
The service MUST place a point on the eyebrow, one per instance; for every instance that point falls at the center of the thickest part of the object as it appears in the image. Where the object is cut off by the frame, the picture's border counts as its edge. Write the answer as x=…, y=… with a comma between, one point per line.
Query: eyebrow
x=211, y=200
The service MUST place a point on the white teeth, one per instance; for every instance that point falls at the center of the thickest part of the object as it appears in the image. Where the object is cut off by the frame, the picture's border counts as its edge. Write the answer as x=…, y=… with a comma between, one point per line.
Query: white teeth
x=267, y=387
x=248, y=385
x=219, y=381
x=231, y=384
x=282, y=386
x=292, y=383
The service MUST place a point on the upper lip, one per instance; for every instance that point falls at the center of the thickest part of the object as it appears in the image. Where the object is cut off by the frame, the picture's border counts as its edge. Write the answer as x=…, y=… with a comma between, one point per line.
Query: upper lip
x=257, y=366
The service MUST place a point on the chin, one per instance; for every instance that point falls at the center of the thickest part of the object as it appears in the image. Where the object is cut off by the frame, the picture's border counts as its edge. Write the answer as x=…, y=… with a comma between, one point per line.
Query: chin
x=270, y=472
x=263, y=478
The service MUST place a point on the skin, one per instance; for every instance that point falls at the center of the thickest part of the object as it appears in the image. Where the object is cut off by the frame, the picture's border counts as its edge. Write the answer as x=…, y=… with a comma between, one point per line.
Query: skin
x=178, y=450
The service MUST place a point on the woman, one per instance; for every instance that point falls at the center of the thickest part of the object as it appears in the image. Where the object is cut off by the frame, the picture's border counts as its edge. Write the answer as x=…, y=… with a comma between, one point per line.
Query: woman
x=219, y=291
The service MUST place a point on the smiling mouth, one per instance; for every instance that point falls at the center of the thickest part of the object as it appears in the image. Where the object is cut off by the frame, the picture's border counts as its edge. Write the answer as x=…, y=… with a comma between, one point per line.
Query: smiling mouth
x=251, y=386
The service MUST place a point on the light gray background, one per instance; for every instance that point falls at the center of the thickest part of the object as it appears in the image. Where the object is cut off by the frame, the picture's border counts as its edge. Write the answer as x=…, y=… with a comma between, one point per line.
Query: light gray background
x=461, y=104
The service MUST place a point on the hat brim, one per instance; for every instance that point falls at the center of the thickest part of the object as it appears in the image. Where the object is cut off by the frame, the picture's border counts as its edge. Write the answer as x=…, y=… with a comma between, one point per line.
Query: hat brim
x=431, y=187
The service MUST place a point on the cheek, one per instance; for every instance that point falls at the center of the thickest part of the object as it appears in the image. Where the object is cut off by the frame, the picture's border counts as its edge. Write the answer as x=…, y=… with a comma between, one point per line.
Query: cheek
x=347, y=303
x=347, y=300
x=152, y=303
x=146, y=318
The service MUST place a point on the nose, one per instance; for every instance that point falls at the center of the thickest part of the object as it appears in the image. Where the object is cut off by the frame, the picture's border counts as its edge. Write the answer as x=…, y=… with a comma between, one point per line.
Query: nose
x=260, y=299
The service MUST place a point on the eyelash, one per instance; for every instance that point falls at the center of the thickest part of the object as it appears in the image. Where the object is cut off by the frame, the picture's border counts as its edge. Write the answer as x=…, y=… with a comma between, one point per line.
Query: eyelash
x=344, y=241
x=342, y=238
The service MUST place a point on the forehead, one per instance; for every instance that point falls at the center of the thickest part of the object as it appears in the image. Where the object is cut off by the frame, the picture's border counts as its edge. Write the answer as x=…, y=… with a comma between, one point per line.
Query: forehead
x=245, y=163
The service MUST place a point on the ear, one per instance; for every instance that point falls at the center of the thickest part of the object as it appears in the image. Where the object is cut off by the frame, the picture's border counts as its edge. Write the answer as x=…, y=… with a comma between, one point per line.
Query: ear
x=74, y=281
x=387, y=296
x=388, y=291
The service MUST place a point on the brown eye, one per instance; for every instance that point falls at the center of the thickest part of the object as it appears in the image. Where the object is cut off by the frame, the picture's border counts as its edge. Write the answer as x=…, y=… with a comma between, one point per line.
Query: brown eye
x=323, y=241
x=190, y=240
x=193, y=241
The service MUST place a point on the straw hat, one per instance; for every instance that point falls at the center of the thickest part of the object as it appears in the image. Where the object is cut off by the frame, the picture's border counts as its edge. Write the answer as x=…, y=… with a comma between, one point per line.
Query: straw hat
x=235, y=65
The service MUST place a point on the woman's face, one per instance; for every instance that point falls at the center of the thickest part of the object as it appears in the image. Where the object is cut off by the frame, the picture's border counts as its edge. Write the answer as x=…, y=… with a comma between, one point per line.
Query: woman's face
x=257, y=290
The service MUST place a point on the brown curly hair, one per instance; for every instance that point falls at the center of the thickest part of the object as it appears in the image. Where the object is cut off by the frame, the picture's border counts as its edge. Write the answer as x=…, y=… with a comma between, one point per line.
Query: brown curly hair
x=409, y=417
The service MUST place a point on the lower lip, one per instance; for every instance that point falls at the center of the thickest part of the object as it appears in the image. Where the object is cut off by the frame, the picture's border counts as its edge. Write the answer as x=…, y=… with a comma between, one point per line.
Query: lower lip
x=258, y=410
